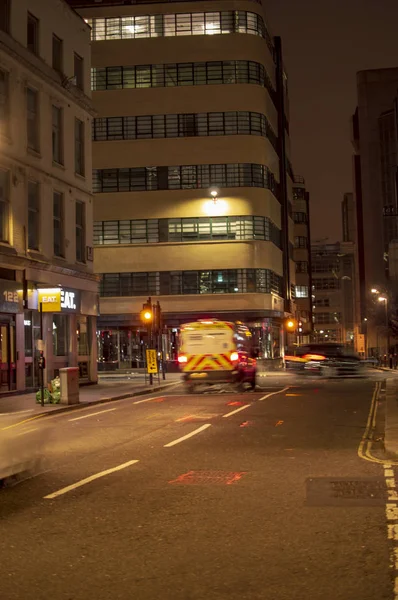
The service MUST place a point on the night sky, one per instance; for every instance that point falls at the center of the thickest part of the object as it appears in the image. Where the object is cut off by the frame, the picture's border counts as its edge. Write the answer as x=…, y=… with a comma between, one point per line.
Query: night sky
x=325, y=43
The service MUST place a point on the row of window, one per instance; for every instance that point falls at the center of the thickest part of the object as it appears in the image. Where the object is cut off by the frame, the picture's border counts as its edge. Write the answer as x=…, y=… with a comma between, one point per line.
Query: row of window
x=183, y=125
x=33, y=42
x=300, y=241
x=301, y=291
x=327, y=317
x=143, y=231
x=33, y=128
x=300, y=217
x=180, y=74
x=301, y=266
x=228, y=281
x=35, y=219
x=325, y=267
x=184, y=177
x=326, y=283
x=198, y=23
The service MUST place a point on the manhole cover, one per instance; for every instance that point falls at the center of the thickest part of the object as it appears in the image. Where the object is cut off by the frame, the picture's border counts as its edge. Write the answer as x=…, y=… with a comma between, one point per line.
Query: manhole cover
x=208, y=477
x=345, y=491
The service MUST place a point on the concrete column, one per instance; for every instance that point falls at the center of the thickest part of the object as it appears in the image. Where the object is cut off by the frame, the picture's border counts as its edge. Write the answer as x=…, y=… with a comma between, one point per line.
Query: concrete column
x=93, y=367
x=72, y=354
x=20, y=350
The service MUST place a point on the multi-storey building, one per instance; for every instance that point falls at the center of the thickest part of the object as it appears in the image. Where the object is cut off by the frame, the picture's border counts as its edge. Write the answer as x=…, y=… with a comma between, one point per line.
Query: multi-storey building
x=374, y=136
x=45, y=192
x=333, y=291
x=192, y=181
x=302, y=258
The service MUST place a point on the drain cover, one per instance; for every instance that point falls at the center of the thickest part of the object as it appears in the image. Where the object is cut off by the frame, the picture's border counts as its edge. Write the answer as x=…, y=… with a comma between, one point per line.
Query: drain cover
x=345, y=491
x=208, y=477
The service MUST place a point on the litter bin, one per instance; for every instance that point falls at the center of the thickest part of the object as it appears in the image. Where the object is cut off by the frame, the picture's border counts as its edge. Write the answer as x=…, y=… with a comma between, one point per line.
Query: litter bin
x=69, y=385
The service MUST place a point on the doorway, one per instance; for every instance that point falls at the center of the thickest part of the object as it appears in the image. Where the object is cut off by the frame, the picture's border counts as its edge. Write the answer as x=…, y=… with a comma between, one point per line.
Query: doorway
x=7, y=357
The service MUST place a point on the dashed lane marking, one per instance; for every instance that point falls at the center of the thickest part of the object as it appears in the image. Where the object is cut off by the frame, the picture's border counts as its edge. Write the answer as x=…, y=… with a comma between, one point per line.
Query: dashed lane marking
x=234, y=412
x=100, y=412
x=82, y=482
x=274, y=393
x=186, y=437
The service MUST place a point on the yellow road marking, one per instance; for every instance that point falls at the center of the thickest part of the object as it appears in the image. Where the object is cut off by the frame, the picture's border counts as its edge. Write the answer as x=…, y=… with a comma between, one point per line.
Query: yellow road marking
x=365, y=445
x=21, y=422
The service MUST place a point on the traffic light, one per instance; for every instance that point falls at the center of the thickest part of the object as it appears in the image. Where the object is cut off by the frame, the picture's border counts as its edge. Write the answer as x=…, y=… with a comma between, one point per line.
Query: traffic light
x=290, y=325
x=146, y=315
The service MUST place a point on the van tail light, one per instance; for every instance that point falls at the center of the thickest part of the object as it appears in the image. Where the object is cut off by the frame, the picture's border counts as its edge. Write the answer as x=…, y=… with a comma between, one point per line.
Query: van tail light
x=234, y=356
x=182, y=359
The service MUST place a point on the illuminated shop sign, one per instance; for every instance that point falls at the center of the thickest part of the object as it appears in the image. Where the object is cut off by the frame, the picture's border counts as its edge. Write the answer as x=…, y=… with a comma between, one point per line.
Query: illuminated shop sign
x=58, y=300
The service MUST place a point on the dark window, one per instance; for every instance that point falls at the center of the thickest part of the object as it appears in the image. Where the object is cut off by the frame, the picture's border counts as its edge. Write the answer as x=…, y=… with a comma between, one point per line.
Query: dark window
x=5, y=11
x=300, y=217
x=228, y=281
x=80, y=232
x=32, y=102
x=181, y=74
x=33, y=216
x=57, y=53
x=300, y=242
x=4, y=103
x=182, y=125
x=4, y=205
x=58, y=223
x=182, y=177
x=301, y=266
x=33, y=34
x=79, y=147
x=79, y=71
x=57, y=135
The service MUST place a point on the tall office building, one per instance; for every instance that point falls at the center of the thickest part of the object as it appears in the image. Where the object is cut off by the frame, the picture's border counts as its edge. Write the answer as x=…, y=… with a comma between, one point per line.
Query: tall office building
x=374, y=135
x=46, y=210
x=302, y=258
x=192, y=179
x=333, y=293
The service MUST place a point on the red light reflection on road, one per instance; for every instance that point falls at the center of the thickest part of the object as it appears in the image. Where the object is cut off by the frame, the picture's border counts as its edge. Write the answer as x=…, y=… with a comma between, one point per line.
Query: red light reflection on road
x=209, y=477
x=235, y=403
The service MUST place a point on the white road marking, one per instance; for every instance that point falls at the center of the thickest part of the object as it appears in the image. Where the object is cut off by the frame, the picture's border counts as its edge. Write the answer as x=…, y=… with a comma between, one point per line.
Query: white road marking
x=236, y=411
x=148, y=399
x=101, y=412
x=28, y=431
x=18, y=412
x=186, y=437
x=273, y=393
x=78, y=484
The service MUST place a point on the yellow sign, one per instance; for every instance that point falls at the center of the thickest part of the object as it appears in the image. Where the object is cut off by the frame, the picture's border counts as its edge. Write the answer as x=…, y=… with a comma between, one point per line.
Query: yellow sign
x=50, y=299
x=151, y=361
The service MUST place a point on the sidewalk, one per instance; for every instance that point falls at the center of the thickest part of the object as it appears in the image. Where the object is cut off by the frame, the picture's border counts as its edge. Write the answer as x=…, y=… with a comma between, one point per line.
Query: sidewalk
x=104, y=391
x=391, y=424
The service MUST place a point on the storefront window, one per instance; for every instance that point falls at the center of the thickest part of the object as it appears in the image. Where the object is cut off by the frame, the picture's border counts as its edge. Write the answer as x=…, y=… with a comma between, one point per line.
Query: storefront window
x=82, y=336
x=60, y=335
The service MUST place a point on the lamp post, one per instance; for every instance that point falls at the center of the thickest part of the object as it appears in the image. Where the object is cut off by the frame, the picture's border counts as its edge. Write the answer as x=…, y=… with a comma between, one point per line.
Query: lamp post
x=214, y=195
x=385, y=300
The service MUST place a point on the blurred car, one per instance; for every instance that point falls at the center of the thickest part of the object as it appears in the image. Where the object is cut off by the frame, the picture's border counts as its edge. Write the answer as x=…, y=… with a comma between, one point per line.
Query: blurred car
x=326, y=360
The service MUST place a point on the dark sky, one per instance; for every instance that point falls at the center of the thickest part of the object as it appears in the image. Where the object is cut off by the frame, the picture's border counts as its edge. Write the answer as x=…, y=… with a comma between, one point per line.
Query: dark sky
x=325, y=42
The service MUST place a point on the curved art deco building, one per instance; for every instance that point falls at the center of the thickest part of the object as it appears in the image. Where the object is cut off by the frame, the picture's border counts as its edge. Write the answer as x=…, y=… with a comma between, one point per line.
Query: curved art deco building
x=191, y=98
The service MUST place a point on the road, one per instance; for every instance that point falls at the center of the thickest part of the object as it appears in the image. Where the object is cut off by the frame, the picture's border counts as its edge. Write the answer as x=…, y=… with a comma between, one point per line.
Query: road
x=212, y=496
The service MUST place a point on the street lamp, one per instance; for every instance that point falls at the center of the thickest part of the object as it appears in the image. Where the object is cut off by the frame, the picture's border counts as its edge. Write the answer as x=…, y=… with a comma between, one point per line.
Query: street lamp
x=374, y=291
x=214, y=194
x=385, y=300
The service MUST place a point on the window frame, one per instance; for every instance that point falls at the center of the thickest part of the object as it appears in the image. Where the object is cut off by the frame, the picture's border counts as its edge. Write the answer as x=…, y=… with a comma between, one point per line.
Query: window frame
x=80, y=231
x=34, y=210
x=34, y=23
x=5, y=208
x=35, y=121
x=57, y=53
x=5, y=104
x=78, y=70
x=57, y=134
x=59, y=220
x=5, y=16
x=80, y=162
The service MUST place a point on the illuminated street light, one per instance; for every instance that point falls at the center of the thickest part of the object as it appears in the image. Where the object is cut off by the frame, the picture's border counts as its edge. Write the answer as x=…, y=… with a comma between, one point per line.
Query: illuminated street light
x=382, y=299
x=214, y=194
x=375, y=291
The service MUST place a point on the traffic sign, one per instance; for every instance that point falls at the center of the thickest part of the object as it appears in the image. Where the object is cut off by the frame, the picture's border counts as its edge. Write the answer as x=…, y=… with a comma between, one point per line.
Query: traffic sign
x=151, y=361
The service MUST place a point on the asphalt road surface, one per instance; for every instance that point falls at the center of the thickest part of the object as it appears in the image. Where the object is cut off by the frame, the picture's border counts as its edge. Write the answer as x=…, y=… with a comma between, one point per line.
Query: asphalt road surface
x=267, y=495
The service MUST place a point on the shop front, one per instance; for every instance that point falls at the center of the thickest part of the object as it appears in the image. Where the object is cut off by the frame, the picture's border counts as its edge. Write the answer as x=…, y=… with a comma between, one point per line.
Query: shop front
x=67, y=327
x=11, y=309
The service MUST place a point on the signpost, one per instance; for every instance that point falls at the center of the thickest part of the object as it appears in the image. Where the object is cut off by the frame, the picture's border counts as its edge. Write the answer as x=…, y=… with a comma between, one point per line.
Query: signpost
x=151, y=361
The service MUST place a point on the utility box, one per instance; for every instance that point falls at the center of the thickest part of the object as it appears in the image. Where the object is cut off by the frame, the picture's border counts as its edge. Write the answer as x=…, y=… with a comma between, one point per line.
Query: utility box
x=69, y=378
